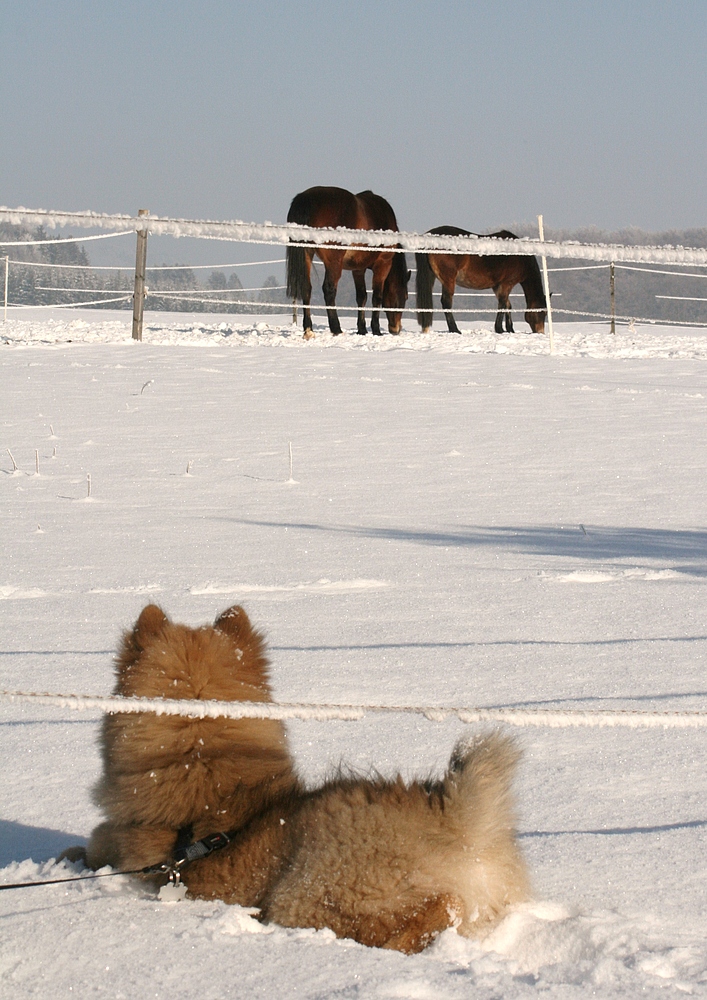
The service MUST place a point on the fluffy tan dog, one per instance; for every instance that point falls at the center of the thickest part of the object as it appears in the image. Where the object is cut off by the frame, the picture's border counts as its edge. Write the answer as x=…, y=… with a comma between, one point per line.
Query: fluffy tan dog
x=386, y=863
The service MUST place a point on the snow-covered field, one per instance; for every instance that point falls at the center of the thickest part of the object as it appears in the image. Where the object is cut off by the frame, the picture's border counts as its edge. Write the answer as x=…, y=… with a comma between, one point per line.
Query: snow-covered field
x=472, y=522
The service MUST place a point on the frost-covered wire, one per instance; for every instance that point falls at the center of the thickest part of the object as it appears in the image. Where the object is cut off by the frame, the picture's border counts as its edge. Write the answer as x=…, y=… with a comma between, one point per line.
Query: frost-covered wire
x=578, y=267
x=66, y=288
x=74, y=267
x=340, y=238
x=200, y=267
x=131, y=267
x=632, y=319
x=682, y=298
x=73, y=305
x=68, y=239
x=651, y=270
x=182, y=292
x=538, y=717
x=176, y=293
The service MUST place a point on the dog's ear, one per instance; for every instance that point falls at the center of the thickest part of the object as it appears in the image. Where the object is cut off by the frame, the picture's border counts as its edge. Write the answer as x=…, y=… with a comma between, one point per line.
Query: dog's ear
x=251, y=662
x=151, y=620
x=134, y=641
x=234, y=622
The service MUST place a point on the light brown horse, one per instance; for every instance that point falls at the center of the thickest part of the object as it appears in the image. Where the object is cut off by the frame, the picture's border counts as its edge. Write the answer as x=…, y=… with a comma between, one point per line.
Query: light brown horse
x=479, y=271
x=331, y=207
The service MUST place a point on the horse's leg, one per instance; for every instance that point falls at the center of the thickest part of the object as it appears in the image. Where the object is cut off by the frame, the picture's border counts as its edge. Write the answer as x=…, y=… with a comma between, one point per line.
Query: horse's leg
x=359, y=278
x=331, y=283
x=504, y=311
x=307, y=328
x=380, y=273
x=447, y=299
x=509, y=317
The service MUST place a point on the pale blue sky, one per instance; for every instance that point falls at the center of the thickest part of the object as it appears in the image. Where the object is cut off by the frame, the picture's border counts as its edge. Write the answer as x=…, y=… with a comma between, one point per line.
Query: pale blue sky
x=475, y=114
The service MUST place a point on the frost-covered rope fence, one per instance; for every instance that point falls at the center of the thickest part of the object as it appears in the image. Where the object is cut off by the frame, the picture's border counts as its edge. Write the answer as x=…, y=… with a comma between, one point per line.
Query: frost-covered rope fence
x=613, y=256
x=161, y=267
x=269, y=233
x=537, y=717
x=64, y=239
x=73, y=305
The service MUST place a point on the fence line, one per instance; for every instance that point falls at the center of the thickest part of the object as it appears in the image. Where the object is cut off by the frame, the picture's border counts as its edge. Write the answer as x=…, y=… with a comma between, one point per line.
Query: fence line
x=281, y=260
x=172, y=292
x=72, y=305
x=578, y=267
x=682, y=298
x=537, y=717
x=67, y=239
x=131, y=267
x=341, y=238
x=286, y=307
x=650, y=270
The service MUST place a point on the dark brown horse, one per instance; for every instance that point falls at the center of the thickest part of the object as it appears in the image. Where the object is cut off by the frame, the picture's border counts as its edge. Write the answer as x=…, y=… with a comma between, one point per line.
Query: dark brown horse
x=331, y=207
x=471, y=270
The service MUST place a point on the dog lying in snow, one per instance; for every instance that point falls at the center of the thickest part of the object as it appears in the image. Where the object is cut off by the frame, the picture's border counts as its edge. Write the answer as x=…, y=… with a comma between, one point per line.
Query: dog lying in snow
x=386, y=863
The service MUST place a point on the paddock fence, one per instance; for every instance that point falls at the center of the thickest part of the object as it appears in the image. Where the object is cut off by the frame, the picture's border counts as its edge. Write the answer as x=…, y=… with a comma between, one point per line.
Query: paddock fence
x=609, y=257
x=198, y=709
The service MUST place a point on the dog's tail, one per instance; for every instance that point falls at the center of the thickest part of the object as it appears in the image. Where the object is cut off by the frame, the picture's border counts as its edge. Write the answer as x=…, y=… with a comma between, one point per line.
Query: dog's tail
x=490, y=871
x=478, y=784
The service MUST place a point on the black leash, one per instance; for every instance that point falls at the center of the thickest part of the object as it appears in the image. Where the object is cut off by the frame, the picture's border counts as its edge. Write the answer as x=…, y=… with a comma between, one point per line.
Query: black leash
x=184, y=854
x=150, y=870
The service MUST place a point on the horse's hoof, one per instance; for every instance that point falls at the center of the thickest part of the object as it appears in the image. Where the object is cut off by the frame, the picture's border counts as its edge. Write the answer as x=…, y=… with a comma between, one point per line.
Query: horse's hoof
x=308, y=334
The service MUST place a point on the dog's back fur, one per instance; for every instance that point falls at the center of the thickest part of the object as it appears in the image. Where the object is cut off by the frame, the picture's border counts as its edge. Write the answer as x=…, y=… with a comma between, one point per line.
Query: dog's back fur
x=387, y=863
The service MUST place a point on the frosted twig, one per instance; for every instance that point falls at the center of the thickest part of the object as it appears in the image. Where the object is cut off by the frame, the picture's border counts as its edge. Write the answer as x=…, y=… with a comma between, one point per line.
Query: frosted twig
x=290, y=480
x=14, y=463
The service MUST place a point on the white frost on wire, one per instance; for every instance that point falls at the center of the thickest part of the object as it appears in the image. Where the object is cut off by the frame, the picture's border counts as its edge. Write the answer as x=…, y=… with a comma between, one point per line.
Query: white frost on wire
x=682, y=298
x=130, y=267
x=578, y=267
x=342, y=238
x=68, y=239
x=75, y=305
x=538, y=717
x=651, y=270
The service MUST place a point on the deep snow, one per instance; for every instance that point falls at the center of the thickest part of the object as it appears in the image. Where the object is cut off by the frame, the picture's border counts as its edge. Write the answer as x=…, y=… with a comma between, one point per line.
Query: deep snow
x=472, y=522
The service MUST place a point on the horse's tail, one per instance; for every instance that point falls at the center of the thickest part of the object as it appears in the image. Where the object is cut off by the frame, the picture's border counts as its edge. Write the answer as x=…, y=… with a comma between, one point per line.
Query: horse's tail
x=424, y=282
x=298, y=285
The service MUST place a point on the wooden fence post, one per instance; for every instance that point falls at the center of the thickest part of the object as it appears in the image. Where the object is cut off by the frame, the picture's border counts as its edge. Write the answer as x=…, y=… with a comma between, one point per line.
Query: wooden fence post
x=546, y=283
x=139, y=289
x=612, y=289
